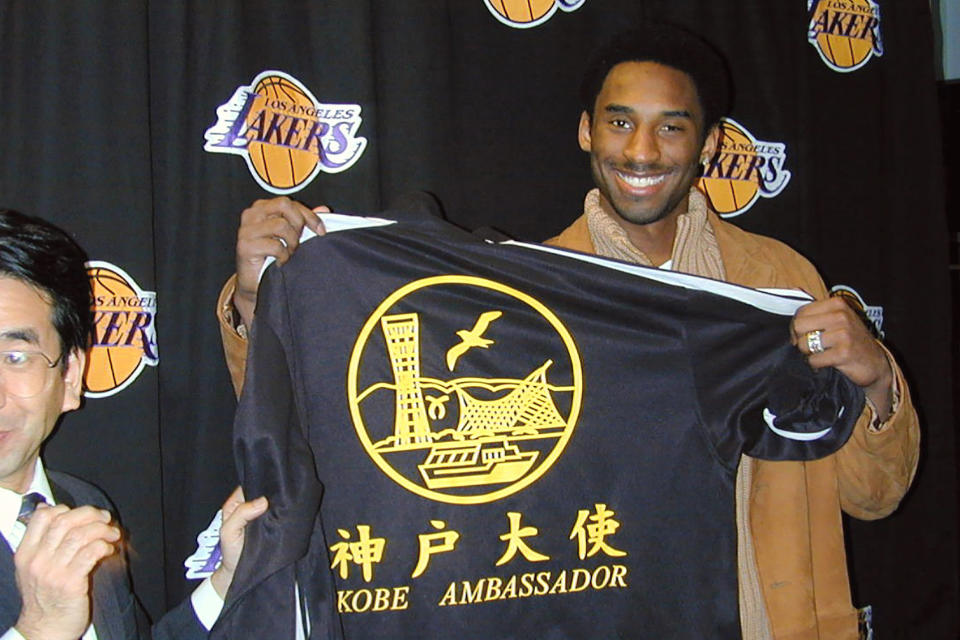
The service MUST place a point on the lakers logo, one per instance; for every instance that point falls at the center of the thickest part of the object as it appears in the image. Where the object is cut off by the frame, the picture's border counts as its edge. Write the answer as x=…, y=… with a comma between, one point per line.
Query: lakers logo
x=446, y=404
x=523, y=14
x=285, y=134
x=743, y=170
x=124, y=333
x=846, y=33
x=872, y=315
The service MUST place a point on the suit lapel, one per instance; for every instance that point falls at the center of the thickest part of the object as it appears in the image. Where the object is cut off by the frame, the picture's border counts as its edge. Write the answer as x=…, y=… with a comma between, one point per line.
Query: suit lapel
x=107, y=618
x=10, y=601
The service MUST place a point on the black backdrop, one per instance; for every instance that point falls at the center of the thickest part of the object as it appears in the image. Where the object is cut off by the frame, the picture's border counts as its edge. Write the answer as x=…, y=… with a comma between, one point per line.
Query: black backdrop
x=103, y=109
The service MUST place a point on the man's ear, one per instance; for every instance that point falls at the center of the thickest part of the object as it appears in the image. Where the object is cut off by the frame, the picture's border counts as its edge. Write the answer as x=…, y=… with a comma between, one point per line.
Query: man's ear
x=73, y=379
x=583, y=132
x=710, y=143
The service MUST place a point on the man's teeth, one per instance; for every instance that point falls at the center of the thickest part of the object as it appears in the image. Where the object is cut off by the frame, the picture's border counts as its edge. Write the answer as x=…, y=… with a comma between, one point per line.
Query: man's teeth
x=641, y=181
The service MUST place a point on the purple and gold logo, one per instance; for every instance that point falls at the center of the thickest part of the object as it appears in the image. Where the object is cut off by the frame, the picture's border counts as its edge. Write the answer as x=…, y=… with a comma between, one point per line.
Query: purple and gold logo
x=124, y=331
x=524, y=14
x=846, y=33
x=742, y=170
x=284, y=133
x=871, y=314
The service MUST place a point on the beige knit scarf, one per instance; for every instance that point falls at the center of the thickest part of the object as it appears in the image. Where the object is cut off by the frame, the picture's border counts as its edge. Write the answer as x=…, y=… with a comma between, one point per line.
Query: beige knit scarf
x=695, y=251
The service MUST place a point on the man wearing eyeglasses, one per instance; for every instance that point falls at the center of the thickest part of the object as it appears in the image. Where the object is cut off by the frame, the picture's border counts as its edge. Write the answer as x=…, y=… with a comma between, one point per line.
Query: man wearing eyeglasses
x=62, y=571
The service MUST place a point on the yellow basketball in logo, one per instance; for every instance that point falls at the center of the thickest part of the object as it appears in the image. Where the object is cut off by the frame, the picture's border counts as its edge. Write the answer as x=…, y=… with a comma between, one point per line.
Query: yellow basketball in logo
x=521, y=11
x=278, y=162
x=726, y=195
x=116, y=355
x=847, y=41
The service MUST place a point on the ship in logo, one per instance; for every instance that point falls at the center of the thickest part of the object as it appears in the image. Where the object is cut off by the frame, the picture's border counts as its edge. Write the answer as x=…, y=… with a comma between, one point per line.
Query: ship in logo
x=472, y=463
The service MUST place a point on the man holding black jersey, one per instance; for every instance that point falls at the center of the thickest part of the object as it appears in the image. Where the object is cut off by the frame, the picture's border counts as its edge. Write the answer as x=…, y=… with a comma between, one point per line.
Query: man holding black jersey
x=652, y=101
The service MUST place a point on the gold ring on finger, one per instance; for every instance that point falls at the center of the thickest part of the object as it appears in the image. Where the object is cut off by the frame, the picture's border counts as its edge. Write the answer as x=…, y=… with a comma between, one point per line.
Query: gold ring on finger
x=815, y=341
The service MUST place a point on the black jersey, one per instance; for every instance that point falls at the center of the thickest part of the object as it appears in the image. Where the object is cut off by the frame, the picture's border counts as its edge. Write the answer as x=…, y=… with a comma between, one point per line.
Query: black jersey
x=462, y=439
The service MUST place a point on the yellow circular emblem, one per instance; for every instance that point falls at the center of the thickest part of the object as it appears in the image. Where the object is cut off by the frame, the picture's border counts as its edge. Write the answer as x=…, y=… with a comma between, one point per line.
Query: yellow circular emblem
x=464, y=390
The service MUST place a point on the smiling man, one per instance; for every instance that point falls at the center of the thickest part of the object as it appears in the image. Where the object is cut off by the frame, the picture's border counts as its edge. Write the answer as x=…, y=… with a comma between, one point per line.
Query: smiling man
x=62, y=569
x=646, y=138
x=652, y=101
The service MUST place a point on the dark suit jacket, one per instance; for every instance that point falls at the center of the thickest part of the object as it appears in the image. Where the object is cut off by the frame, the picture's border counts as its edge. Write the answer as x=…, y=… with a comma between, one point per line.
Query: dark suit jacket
x=117, y=615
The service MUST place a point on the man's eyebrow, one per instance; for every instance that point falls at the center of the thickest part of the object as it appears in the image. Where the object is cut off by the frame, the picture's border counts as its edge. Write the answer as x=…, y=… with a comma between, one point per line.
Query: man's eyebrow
x=618, y=108
x=20, y=335
x=669, y=113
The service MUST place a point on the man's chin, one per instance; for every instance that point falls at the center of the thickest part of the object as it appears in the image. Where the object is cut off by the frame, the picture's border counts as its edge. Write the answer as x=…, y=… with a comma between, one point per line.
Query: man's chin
x=641, y=218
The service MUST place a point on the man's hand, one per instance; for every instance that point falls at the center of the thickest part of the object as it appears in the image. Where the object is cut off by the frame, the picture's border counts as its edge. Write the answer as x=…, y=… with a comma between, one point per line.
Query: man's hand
x=236, y=515
x=848, y=346
x=54, y=563
x=267, y=228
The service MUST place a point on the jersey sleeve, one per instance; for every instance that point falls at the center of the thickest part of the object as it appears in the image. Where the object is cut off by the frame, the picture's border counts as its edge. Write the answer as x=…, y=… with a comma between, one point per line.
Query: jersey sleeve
x=274, y=459
x=807, y=414
x=757, y=394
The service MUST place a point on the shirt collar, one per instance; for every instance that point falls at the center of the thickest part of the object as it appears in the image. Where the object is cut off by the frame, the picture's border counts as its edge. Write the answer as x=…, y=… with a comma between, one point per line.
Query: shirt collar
x=10, y=500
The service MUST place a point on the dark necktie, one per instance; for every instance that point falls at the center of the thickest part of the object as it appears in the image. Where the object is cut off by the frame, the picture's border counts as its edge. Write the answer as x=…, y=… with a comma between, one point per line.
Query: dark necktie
x=28, y=505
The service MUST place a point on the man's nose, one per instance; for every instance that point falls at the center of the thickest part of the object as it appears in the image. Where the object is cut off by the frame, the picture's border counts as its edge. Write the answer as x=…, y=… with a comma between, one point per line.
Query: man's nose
x=643, y=147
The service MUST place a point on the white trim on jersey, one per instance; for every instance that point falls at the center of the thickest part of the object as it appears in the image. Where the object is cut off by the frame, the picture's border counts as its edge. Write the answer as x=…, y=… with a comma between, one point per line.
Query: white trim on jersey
x=769, y=417
x=332, y=222
x=784, y=302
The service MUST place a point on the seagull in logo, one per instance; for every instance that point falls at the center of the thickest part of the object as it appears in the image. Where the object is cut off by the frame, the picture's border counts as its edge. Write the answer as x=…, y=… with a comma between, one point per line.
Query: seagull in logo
x=472, y=338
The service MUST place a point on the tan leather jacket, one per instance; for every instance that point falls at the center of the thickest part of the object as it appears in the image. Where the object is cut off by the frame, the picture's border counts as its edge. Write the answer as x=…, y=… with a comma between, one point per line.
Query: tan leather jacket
x=795, y=506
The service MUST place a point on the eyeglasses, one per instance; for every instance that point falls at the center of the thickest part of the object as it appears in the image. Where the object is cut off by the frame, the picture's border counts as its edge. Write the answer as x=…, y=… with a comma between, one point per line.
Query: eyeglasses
x=24, y=373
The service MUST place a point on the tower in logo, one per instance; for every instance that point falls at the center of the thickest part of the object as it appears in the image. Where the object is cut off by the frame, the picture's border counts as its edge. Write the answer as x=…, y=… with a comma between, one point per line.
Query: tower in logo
x=458, y=414
x=402, y=334
x=846, y=33
x=284, y=133
x=523, y=14
x=742, y=170
x=125, y=337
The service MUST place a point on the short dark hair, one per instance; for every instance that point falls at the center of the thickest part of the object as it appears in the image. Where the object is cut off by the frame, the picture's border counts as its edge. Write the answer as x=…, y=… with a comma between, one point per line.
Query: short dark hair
x=42, y=255
x=671, y=46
